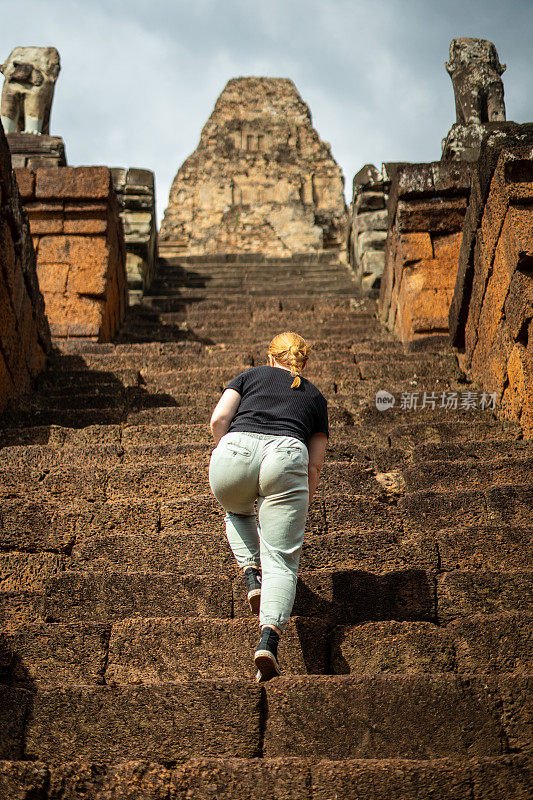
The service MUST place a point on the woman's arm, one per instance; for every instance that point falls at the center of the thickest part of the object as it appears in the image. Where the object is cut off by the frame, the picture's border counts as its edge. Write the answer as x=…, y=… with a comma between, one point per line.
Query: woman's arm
x=225, y=410
x=317, y=451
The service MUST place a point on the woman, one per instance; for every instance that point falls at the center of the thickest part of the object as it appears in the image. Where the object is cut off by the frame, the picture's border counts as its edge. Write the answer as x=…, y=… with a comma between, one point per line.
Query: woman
x=271, y=430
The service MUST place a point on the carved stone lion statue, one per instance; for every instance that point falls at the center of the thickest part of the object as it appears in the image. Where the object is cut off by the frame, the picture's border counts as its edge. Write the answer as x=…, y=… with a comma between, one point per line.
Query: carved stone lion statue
x=475, y=70
x=30, y=76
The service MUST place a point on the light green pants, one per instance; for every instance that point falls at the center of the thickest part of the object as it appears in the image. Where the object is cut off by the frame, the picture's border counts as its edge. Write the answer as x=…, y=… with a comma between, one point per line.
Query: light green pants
x=273, y=470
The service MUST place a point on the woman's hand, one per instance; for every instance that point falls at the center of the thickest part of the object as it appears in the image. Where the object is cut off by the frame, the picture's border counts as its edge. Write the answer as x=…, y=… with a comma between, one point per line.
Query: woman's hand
x=317, y=451
x=225, y=410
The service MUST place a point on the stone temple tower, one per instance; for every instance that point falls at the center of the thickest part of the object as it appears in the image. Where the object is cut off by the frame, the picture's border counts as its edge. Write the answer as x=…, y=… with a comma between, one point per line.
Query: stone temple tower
x=260, y=181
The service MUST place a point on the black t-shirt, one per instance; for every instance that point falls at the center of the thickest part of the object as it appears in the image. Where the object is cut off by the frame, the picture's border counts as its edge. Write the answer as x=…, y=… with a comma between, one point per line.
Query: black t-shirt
x=269, y=405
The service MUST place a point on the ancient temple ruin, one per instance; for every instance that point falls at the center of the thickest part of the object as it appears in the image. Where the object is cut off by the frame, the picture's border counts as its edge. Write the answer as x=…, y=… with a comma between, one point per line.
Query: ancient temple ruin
x=260, y=181
x=126, y=638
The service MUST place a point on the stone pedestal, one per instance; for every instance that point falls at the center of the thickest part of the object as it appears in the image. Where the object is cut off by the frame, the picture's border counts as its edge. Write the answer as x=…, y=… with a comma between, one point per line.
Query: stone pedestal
x=462, y=143
x=36, y=150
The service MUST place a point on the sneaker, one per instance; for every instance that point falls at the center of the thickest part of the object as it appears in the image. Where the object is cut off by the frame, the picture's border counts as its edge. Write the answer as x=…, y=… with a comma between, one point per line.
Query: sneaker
x=266, y=655
x=252, y=578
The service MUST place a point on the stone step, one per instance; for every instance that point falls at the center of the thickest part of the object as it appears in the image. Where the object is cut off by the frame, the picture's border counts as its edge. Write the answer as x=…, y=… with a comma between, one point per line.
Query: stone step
x=213, y=333
x=504, y=504
x=464, y=592
x=395, y=715
x=488, y=643
x=86, y=380
x=414, y=434
x=40, y=654
x=169, y=649
x=504, y=435
x=105, y=455
x=425, y=366
x=473, y=473
x=45, y=511
x=182, y=475
x=414, y=717
x=253, y=270
x=87, y=547
x=198, y=294
x=183, y=551
x=161, y=649
x=57, y=436
x=203, y=314
x=295, y=305
x=151, y=650
x=109, y=596
x=483, y=451
x=255, y=309
x=66, y=418
x=484, y=778
x=339, y=596
x=81, y=349
x=110, y=364
x=328, y=259
x=164, y=722
x=226, y=281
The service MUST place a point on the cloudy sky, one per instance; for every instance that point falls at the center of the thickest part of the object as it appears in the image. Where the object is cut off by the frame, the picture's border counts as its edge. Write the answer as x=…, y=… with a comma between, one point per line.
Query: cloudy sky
x=139, y=78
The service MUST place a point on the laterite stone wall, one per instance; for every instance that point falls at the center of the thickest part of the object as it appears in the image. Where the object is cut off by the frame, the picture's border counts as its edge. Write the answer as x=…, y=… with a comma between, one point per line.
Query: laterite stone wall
x=427, y=205
x=24, y=333
x=498, y=326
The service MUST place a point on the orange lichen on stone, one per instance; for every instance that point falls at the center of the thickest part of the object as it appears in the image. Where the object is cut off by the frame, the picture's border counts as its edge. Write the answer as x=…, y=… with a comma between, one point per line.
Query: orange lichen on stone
x=78, y=236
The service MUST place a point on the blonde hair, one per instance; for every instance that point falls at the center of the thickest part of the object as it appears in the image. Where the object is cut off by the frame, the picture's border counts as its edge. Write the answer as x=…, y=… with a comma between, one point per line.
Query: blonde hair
x=290, y=350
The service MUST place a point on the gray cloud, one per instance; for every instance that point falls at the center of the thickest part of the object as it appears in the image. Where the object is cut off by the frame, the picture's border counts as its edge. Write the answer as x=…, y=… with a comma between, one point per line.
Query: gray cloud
x=139, y=79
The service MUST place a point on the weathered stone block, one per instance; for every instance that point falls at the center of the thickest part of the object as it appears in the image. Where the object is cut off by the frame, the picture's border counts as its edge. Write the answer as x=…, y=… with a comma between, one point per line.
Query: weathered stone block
x=26, y=183
x=406, y=715
x=128, y=780
x=372, y=221
x=14, y=706
x=438, y=215
x=72, y=183
x=166, y=722
x=370, y=240
x=369, y=201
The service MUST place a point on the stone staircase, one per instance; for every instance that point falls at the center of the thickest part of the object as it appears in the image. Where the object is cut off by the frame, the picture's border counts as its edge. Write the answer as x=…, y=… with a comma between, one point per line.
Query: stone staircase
x=126, y=654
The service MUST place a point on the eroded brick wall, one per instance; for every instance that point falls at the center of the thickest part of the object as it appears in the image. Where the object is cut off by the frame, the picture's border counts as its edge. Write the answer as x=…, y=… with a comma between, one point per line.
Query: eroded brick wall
x=79, y=240
x=427, y=205
x=24, y=333
x=498, y=324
